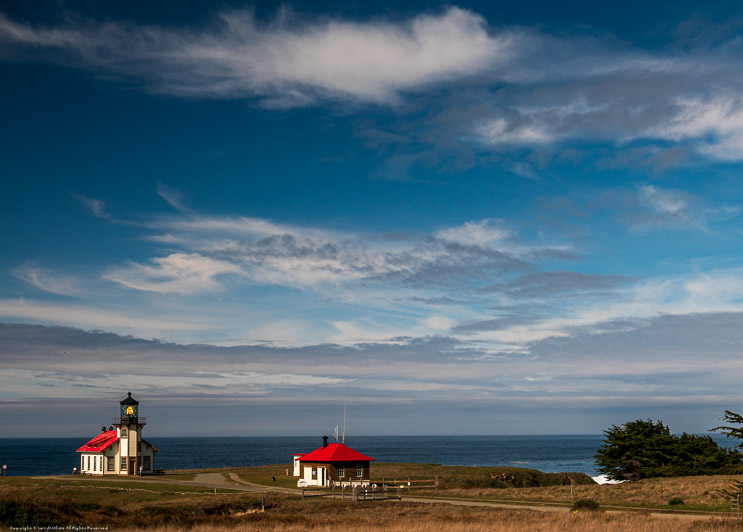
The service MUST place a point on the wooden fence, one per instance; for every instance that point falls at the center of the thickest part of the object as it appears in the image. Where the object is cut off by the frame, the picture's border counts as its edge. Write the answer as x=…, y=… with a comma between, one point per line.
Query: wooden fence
x=374, y=490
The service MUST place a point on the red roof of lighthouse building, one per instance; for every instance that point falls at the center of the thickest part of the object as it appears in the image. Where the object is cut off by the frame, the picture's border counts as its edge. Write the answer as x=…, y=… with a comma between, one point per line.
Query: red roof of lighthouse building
x=100, y=442
x=334, y=452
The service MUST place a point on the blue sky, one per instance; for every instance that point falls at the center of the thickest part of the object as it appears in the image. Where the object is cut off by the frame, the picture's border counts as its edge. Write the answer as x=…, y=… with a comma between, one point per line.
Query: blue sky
x=463, y=218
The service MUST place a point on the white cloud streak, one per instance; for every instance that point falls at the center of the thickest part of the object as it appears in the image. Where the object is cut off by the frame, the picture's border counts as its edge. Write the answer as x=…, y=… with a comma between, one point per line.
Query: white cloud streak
x=652, y=208
x=178, y=273
x=94, y=205
x=47, y=280
x=287, y=62
x=92, y=317
x=308, y=258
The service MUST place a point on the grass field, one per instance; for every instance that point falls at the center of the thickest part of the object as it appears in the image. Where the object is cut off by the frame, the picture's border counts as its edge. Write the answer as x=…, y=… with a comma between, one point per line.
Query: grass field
x=130, y=504
x=450, y=477
x=695, y=493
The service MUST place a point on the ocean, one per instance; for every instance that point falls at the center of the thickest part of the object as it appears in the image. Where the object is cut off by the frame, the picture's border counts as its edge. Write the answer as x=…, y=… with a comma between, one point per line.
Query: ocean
x=55, y=456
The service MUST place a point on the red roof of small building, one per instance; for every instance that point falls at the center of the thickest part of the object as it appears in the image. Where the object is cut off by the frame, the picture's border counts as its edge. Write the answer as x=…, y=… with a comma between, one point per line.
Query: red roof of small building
x=100, y=442
x=334, y=452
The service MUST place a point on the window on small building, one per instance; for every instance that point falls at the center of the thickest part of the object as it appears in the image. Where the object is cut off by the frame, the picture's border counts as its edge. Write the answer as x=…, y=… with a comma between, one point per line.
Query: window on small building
x=88, y=468
x=146, y=463
x=110, y=465
x=359, y=470
x=123, y=433
x=341, y=471
x=95, y=463
x=123, y=463
x=82, y=462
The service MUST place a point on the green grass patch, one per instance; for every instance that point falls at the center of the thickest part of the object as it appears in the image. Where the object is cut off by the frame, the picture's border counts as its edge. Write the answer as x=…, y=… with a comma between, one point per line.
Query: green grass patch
x=264, y=475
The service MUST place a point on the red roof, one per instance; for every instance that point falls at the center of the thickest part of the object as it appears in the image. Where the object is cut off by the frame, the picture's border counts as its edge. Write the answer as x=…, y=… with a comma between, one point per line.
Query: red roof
x=100, y=442
x=334, y=452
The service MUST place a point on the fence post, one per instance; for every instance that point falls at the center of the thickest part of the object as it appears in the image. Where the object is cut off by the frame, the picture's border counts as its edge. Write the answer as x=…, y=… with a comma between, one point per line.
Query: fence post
x=303, y=492
x=399, y=493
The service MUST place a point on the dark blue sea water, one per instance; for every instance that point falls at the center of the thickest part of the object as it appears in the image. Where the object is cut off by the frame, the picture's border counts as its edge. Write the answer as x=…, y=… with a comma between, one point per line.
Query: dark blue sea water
x=544, y=453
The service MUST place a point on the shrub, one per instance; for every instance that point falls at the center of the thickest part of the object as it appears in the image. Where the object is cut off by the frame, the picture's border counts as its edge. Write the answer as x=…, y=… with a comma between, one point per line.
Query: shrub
x=675, y=501
x=645, y=449
x=585, y=504
x=19, y=513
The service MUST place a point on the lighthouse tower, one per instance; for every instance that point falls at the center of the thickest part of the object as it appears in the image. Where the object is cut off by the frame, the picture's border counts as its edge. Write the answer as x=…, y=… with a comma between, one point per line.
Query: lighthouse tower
x=129, y=430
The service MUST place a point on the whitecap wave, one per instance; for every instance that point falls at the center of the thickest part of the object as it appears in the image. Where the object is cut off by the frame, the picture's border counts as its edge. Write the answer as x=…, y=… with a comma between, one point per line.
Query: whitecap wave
x=603, y=479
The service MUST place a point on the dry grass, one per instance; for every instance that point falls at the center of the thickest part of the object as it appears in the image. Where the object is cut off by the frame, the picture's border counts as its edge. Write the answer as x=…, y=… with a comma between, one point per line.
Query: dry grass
x=696, y=492
x=413, y=519
x=448, y=476
x=128, y=505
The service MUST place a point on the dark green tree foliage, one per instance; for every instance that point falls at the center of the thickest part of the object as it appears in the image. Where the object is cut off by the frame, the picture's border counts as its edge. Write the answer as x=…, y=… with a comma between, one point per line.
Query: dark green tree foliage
x=645, y=449
x=734, y=489
x=732, y=432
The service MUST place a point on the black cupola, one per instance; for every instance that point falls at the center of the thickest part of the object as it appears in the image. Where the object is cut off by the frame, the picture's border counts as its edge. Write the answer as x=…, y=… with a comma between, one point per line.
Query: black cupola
x=129, y=406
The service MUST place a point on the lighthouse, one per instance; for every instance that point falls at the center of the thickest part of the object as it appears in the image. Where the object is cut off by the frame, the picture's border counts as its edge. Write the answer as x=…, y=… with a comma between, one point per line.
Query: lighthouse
x=129, y=430
x=120, y=451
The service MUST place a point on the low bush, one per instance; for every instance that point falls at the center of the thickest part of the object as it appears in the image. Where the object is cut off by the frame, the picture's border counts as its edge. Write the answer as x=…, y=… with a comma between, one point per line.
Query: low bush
x=675, y=501
x=515, y=477
x=585, y=504
x=19, y=513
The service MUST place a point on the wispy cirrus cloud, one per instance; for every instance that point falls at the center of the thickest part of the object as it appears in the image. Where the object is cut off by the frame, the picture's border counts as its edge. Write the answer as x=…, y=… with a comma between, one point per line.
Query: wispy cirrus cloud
x=178, y=273
x=515, y=87
x=650, y=207
x=94, y=205
x=480, y=281
x=47, y=280
x=95, y=317
x=172, y=197
x=643, y=208
x=717, y=119
x=308, y=258
x=286, y=62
